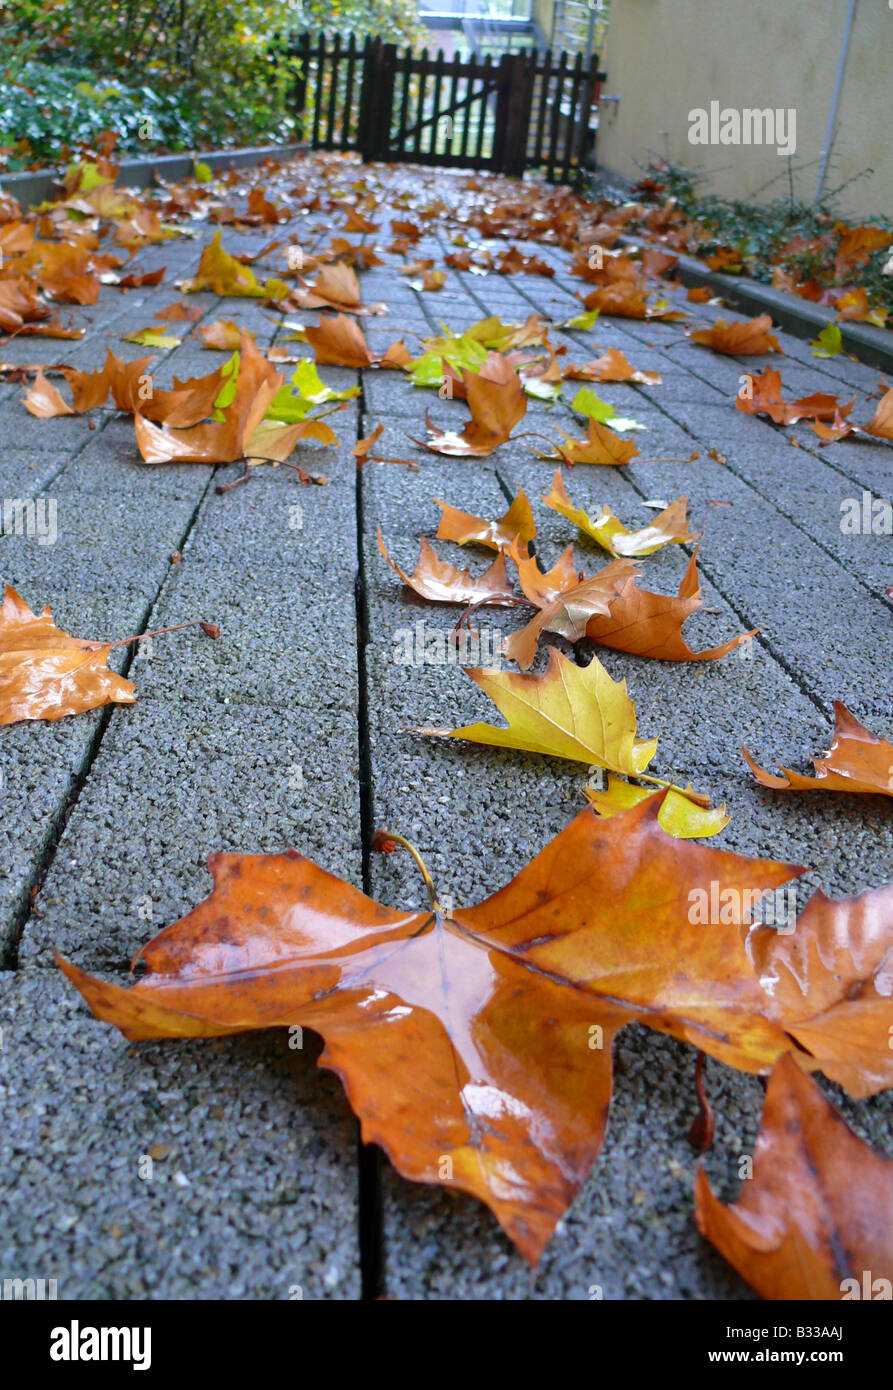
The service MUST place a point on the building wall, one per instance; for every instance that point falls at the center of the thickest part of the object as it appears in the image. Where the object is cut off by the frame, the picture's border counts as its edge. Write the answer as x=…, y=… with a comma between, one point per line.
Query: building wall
x=667, y=57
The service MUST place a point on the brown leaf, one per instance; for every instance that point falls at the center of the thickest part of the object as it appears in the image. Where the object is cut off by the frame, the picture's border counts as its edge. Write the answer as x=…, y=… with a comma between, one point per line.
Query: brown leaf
x=571, y=611
x=481, y=1034
x=45, y=674
x=857, y=761
x=881, y=422
x=601, y=446
x=814, y=1220
x=339, y=342
x=462, y=527
x=742, y=337
x=217, y=441
x=647, y=624
x=441, y=582
x=497, y=404
x=611, y=366
x=765, y=399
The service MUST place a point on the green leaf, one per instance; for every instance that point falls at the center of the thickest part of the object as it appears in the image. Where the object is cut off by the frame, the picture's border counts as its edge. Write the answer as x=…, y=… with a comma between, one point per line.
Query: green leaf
x=203, y=172
x=587, y=403
x=829, y=342
x=227, y=392
x=293, y=402
x=582, y=320
x=152, y=337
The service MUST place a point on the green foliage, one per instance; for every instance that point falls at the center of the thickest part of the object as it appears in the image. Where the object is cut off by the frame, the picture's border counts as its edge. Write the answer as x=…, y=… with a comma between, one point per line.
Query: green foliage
x=47, y=108
x=208, y=72
x=786, y=231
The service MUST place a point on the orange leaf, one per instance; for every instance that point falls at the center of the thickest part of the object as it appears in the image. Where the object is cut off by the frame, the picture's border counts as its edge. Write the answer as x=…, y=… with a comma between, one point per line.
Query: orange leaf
x=462, y=527
x=647, y=624
x=468, y=1033
x=814, y=1220
x=45, y=674
x=743, y=337
x=857, y=761
x=441, y=582
x=611, y=366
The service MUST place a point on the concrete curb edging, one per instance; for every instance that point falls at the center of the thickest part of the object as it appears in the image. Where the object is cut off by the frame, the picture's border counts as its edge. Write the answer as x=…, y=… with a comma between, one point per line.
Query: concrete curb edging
x=873, y=346
x=41, y=184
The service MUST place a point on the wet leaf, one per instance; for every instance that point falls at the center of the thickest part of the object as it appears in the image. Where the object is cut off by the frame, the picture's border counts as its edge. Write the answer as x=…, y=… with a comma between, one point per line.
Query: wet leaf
x=815, y=1220
x=45, y=674
x=857, y=761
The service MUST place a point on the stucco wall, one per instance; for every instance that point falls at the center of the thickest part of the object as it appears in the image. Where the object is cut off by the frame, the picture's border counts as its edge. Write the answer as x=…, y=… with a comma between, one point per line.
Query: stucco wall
x=666, y=57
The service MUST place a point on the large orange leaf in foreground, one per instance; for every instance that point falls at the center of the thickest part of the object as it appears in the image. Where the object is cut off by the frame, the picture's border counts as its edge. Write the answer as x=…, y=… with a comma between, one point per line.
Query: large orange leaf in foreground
x=475, y=1046
x=817, y=1215
x=45, y=674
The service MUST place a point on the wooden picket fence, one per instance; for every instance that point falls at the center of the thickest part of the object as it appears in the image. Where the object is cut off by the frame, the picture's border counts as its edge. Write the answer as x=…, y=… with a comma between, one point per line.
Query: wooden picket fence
x=528, y=110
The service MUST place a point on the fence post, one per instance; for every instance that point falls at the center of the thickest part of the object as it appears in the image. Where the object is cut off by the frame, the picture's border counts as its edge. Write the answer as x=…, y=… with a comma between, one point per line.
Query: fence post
x=593, y=77
x=380, y=60
x=300, y=50
x=517, y=116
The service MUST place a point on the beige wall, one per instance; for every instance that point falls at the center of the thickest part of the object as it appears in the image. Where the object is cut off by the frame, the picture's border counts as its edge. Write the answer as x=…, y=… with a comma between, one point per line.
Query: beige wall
x=666, y=57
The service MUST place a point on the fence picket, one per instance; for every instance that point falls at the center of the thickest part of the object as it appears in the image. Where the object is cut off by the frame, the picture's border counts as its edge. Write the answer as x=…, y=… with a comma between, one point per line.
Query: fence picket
x=526, y=111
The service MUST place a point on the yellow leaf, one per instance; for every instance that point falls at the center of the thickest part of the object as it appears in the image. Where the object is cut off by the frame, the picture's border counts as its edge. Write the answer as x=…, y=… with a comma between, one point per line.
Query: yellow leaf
x=679, y=815
x=610, y=533
x=569, y=711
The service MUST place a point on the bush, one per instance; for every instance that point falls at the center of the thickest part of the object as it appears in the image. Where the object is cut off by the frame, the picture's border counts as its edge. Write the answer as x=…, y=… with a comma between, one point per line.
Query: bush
x=48, y=108
x=208, y=72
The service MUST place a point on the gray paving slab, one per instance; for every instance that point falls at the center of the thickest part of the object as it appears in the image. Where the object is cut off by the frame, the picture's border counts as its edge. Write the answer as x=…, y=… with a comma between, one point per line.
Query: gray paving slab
x=250, y=1193
x=258, y=739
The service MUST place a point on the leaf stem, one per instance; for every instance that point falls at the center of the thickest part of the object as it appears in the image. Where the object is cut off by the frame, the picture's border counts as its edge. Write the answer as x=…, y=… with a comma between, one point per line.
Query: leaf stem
x=385, y=835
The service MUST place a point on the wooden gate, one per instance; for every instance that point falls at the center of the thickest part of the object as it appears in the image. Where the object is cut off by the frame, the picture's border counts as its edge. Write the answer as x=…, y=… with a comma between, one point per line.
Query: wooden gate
x=526, y=111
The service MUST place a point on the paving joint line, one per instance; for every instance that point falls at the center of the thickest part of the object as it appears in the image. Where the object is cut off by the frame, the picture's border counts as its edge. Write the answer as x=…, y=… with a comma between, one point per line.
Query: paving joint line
x=19, y=924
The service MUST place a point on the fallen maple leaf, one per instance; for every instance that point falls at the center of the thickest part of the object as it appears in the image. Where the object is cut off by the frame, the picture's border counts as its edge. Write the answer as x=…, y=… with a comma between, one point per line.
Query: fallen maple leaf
x=857, y=761
x=815, y=1219
x=742, y=337
x=219, y=441
x=222, y=336
x=336, y=287
x=484, y=1034
x=544, y=588
x=856, y=245
x=463, y=527
x=571, y=611
x=45, y=674
x=569, y=711
x=613, y=365
x=763, y=397
x=647, y=624
x=601, y=446
x=497, y=404
x=881, y=422
x=441, y=582
x=683, y=813
x=669, y=527
x=339, y=342
x=225, y=275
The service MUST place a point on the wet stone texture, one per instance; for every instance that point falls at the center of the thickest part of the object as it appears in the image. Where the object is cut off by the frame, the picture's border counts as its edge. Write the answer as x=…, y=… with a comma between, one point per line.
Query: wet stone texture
x=259, y=740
